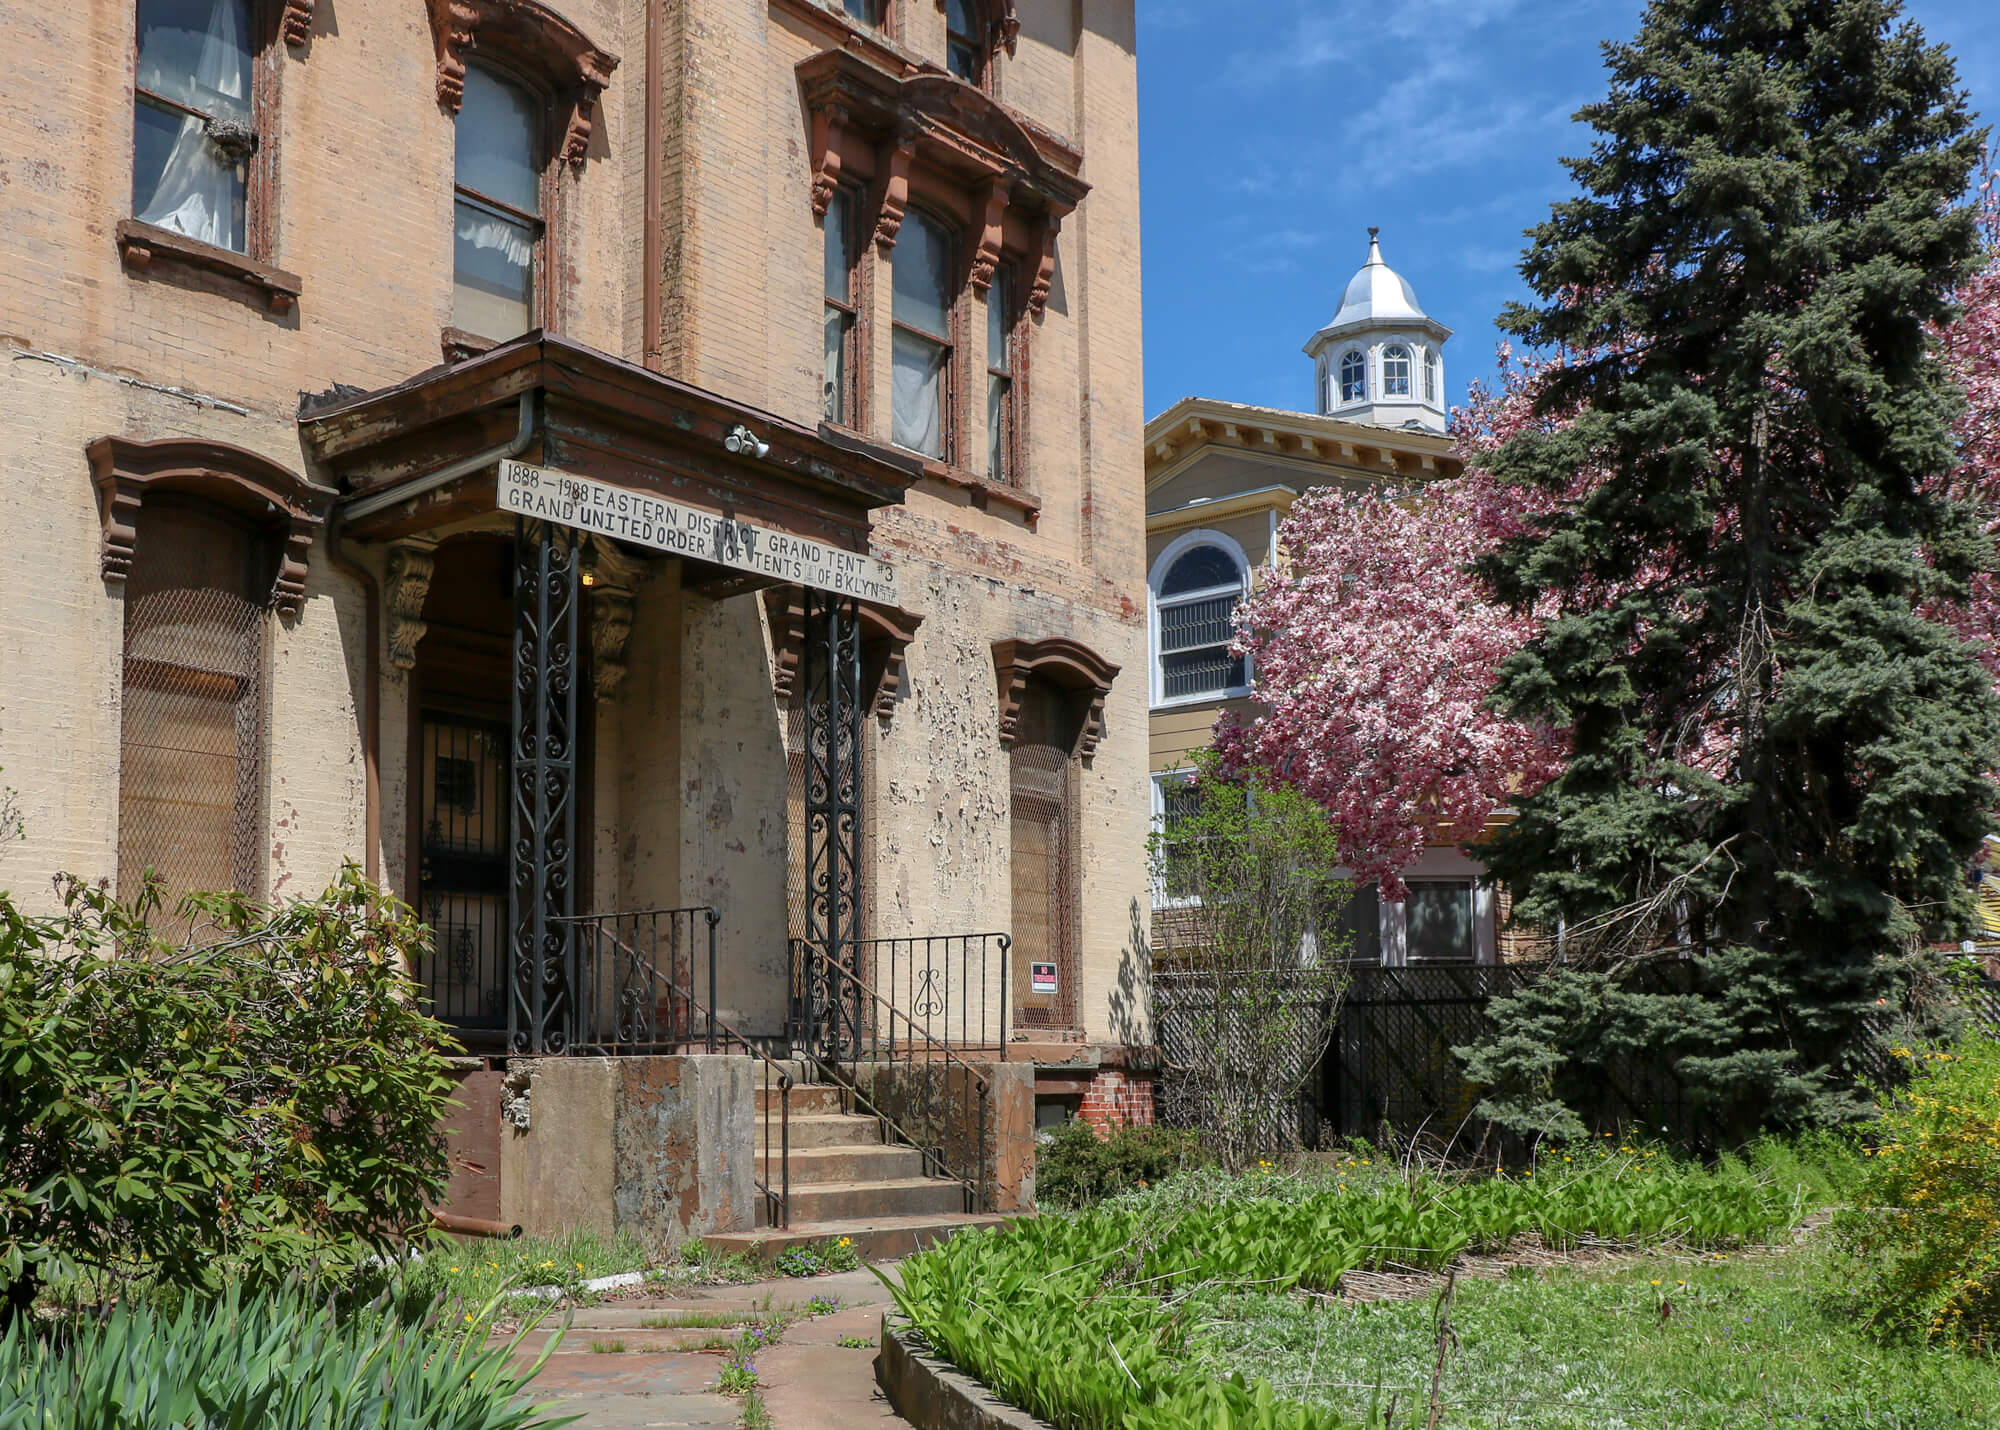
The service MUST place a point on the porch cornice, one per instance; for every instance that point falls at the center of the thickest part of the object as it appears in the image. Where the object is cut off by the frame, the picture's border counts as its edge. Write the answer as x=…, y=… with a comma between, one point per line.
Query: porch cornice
x=597, y=415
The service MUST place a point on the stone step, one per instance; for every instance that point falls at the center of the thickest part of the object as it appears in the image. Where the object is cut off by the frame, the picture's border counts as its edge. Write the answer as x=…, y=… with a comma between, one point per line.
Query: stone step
x=816, y=1166
x=811, y=1099
x=875, y=1238
x=898, y=1196
x=825, y=1130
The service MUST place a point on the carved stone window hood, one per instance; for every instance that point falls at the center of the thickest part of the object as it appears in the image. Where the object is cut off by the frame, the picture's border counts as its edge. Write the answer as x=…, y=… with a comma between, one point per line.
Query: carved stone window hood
x=531, y=38
x=1002, y=162
x=1067, y=664
x=127, y=470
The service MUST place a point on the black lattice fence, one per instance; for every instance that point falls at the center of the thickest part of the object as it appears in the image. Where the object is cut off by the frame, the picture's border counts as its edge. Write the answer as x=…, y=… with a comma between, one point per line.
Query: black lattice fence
x=1188, y=1027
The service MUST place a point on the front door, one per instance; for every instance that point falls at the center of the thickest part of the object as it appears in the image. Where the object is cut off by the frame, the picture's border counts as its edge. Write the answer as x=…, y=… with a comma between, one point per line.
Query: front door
x=462, y=869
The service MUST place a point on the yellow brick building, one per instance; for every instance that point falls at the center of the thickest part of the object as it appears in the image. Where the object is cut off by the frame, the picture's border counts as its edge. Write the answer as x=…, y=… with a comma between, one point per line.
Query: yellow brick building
x=591, y=457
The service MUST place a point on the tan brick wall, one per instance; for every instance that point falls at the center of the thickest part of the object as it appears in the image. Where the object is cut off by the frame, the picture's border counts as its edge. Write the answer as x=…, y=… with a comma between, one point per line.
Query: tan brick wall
x=688, y=783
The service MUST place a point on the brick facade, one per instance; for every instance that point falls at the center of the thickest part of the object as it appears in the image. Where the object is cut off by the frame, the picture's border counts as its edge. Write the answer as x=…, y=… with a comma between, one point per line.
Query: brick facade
x=1117, y=1098
x=685, y=243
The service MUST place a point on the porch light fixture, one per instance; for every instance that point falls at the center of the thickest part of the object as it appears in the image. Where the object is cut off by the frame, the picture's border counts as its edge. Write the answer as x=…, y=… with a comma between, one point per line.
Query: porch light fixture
x=745, y=443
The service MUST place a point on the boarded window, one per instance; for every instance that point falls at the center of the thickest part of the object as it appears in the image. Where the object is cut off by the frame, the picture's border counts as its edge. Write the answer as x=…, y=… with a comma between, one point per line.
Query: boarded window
x=190, y=788
x=1043, y=786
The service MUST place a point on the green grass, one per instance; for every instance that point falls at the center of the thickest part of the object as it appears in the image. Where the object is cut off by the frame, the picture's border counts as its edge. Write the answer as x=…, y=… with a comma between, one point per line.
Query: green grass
x=607, y=1348
x=1746, y=1341
x=1104, y=1318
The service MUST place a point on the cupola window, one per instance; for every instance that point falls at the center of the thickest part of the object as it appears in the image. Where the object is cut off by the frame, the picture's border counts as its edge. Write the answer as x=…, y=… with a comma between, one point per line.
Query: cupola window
x=1353, y=376
x=1431, y=377
x=1395, y=371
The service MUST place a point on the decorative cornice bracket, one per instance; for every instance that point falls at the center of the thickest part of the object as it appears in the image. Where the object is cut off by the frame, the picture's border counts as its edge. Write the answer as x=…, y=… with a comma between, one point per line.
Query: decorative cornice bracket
x=405, y=586
x=295, y=22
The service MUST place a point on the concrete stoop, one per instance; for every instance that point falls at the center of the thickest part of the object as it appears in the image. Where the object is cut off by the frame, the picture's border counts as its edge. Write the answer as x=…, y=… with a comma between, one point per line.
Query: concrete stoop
x=846, y=1181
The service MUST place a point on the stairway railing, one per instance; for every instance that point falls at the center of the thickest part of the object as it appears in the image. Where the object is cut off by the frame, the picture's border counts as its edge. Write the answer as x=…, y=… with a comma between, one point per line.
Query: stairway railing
x=645, y=1010
x=945, y=984
x=838, y=1022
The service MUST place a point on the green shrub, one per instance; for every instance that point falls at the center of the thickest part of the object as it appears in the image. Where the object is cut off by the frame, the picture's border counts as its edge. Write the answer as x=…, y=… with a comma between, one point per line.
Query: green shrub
x=274, y=1359
x=1076, y=1168
x=1923, y=1224
x=257, y=1097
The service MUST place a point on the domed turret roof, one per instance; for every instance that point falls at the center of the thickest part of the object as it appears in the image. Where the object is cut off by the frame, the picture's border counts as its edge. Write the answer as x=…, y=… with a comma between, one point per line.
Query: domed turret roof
x=1376, y=296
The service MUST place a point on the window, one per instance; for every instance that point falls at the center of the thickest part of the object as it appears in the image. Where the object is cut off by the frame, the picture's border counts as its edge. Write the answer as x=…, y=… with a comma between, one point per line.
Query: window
x=1430, y=377
x=838, y=392
x=1196, y=604
x=922, y=311
x=194, y=120
x=1174, y=800
x=190, y=783
x=964, y=41
x=497, y=223
x=1395, y=371
x=1439, y=920
x=1045, y=863
x=868, y=12
x=1361, y=922
x=1353, y=376
x=1002, y=421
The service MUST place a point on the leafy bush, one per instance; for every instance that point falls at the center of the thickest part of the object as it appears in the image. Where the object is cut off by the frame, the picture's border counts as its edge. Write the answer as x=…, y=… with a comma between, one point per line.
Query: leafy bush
x=256, y=1097
x=1031, y=1311
x=273, y=1359
x=1924, y=1221
x=1076, y=1168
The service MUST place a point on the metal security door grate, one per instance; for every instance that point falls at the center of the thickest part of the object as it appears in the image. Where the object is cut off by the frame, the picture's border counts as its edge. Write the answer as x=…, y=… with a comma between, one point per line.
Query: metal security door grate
x=463, y=873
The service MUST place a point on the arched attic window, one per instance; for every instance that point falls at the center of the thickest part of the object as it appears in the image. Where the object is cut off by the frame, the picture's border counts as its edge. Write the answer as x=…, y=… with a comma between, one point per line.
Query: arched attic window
x=1431, y=366
x=1194, y=605
x=1395, y=371
x=1353, y=376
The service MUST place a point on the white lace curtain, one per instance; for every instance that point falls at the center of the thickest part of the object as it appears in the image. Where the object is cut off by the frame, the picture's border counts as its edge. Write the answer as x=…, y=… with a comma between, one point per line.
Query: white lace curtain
x=196, y=53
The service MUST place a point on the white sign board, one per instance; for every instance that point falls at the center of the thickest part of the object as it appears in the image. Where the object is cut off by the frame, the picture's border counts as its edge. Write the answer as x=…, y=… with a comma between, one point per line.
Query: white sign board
x=545, y=494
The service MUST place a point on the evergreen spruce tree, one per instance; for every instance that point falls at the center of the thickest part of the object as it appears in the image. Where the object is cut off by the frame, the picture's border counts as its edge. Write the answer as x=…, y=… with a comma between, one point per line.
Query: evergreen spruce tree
x=1779, y=763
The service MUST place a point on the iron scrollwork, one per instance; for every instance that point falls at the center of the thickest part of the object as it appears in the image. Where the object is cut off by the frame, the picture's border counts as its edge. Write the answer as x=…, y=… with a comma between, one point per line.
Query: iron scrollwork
x=830, y=665
x=541, y=892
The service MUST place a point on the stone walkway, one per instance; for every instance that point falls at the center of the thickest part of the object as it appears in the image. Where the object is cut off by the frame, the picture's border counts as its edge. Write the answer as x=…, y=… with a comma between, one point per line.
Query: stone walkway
x=664, y=1377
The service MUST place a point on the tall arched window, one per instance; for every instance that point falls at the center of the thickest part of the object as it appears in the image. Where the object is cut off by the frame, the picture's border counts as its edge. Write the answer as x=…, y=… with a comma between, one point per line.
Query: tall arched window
x=1353, y=376
x=497, y=226
x=965, y=40
x=920, y=397
x=1195, y=611
x=1395, y=371
x=1431, y=376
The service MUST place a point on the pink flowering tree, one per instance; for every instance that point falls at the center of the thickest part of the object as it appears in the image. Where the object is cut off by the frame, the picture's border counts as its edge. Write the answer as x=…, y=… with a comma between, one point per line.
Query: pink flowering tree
x=1971, y=347
x=1375, y=656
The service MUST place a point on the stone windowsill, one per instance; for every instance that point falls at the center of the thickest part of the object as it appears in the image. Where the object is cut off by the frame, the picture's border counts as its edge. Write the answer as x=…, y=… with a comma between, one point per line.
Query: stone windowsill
x=984, y=492
x=143, y=244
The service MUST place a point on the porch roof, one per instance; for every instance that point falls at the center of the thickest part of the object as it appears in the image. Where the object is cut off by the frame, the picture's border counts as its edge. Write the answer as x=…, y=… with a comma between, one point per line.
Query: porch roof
x=423, y=453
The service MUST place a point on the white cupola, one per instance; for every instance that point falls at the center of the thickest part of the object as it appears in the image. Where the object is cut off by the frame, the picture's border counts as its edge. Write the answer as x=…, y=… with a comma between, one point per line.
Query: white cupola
x=1380, y=360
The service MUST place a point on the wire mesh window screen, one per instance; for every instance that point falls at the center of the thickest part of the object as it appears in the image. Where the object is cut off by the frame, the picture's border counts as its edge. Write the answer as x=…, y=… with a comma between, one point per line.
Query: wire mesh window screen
x=192, y=732
x=1047, y=911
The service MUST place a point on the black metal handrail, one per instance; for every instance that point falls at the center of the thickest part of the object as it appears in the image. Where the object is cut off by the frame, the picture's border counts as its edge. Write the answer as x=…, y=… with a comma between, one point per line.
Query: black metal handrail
x=617, y=1006
x=943, y=982
x=827, y=1000
x=639, y=1012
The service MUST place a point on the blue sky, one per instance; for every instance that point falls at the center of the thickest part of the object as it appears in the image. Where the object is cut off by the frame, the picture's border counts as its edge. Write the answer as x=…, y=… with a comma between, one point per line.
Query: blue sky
x=1273, y=132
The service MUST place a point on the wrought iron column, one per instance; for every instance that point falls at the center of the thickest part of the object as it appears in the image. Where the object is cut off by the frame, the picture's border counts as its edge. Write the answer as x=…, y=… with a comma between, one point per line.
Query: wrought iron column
x=544, y=1007
x=830, y=668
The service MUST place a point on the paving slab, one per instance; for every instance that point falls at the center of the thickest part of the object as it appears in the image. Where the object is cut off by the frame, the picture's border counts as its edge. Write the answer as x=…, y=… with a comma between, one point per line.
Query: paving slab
x=660, y=1382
